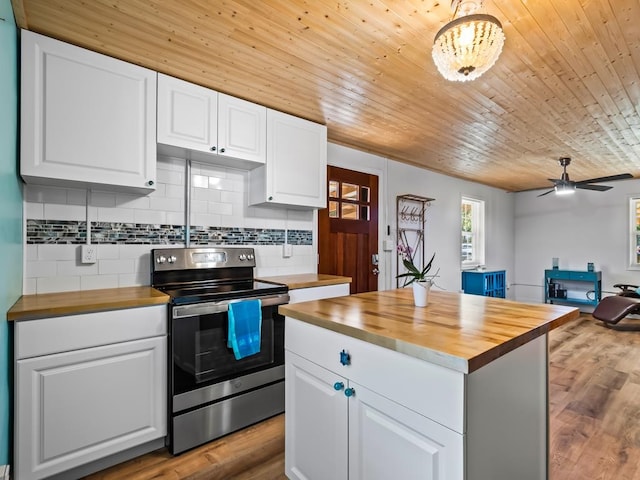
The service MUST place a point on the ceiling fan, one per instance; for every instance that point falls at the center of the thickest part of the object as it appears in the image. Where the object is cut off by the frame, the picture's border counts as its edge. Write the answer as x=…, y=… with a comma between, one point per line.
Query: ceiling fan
x=564, y=186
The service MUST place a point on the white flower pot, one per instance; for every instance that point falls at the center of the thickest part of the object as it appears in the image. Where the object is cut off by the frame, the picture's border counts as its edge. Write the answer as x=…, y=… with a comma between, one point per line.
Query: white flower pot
x=421, y=293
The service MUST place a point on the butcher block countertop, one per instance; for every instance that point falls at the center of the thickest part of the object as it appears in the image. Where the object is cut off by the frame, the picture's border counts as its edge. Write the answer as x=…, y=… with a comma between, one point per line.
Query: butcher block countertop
x=458, y=331
x=31, y=307
x=306, y=280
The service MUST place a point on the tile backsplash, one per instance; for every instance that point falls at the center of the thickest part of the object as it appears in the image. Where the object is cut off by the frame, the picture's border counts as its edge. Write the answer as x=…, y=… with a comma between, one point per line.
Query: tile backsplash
x=125, y=227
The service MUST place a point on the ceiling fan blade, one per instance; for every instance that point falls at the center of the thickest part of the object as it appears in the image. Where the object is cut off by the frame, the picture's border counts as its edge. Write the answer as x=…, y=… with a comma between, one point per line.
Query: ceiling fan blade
x=547, y=193
x=555, y=180
x=612, y=178
x=599, y=188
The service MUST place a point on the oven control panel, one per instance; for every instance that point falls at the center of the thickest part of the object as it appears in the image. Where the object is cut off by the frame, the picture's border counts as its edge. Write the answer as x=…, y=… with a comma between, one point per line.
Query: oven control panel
x=203, y=257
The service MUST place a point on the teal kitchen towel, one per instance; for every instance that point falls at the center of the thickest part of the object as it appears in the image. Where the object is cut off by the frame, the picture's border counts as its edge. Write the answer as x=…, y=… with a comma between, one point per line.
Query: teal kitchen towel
x=245, y=326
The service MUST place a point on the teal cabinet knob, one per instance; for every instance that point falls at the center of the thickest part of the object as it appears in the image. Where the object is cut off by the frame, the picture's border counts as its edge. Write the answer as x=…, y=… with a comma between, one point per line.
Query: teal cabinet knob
x=350, y=392
x=345, y=358
x=338, y=386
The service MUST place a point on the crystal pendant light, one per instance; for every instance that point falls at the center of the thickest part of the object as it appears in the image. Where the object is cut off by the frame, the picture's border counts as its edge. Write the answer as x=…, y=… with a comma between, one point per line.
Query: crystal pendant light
x=470, y=44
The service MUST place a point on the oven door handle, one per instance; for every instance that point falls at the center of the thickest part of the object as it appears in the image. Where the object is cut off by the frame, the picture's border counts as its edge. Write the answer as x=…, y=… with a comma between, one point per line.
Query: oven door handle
x=195, y=309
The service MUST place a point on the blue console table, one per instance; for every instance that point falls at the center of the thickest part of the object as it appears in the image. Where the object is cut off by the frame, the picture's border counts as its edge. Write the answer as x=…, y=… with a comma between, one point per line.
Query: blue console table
x=489, y=284
x=587, y=281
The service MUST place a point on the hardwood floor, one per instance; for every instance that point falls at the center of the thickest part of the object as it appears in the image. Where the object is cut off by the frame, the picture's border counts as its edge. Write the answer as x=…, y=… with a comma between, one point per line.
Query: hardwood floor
x=595, y=402
x=594, y=420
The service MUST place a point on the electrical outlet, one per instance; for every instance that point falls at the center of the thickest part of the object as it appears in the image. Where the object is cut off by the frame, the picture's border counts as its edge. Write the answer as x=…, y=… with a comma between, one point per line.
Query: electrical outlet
x=89, y=254
x=287, y=250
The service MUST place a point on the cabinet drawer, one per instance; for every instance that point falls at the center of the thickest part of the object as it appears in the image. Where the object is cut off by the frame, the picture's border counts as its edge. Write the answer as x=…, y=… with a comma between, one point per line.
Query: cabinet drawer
x=583, y=276
x=430, y=390
x=298, y=295
x=557, y=274
x=61, y=334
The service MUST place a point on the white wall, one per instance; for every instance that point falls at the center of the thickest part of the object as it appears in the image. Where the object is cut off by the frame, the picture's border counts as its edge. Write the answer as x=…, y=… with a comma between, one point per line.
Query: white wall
x=443, y=216
x=586, y=227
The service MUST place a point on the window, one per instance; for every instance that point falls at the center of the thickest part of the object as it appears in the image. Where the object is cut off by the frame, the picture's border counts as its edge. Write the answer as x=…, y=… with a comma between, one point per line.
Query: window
x=634, y=233
x=472, y=239
x=348, y=201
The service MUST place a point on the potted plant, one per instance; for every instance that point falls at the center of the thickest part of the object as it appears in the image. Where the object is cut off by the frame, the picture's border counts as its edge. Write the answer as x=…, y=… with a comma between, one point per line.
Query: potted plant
x=420, y=279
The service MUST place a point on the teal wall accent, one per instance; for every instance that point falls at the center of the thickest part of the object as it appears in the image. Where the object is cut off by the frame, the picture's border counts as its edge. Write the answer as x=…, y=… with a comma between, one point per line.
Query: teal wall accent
x=11, y=244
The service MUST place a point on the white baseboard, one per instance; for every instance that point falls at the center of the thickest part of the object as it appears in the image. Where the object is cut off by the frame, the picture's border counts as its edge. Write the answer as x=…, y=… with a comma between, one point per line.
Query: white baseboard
x=4, y=472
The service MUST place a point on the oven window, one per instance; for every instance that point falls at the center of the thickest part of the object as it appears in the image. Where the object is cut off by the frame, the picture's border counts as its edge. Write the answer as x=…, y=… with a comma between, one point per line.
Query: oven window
x=201, y=356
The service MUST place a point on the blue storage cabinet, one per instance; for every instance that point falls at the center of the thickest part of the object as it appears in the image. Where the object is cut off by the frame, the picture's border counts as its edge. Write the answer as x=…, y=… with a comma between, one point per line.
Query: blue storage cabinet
x=489, y=284
x=572, y=280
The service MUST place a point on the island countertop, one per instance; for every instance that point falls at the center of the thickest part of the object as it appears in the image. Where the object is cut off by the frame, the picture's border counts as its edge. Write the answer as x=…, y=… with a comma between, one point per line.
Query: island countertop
x=459, y=331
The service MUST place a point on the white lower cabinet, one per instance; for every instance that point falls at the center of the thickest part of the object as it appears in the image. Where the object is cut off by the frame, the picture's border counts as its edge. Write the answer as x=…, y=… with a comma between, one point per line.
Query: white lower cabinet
x=359, y=411
x=338, y=429
x=387, y=441
x=316, y=420
x=79, y=406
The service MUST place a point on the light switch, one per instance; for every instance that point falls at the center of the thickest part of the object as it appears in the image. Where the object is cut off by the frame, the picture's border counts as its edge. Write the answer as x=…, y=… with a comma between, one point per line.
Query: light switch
x=387, y=245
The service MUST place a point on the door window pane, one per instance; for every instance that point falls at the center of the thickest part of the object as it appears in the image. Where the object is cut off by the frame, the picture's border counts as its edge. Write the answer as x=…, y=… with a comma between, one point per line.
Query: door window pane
x=349, y=211
x=333, y=188
x=333, y=210
x=350, y=192
x=364, y=212
x=364, y=194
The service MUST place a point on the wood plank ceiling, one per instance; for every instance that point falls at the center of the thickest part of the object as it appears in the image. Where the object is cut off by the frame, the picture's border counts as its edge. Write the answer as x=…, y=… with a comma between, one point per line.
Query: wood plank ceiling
x=567, y=83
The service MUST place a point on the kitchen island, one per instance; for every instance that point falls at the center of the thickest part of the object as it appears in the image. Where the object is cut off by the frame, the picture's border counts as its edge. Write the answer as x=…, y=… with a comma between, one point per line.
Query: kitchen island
x=377, y=388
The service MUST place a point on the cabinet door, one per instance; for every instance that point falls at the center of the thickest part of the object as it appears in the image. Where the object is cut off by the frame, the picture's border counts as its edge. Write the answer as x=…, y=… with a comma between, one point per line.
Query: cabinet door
x=296, y=169
x=316, y=422
x=387, y=440
x=242, y=129
x=187, y=115
x=86, y=119
x=79, y=406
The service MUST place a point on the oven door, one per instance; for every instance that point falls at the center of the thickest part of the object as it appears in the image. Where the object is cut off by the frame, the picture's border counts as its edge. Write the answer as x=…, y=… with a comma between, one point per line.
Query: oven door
x=204, y=369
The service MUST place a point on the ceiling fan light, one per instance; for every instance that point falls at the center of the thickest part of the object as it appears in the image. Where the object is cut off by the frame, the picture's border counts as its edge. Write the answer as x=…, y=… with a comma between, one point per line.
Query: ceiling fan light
x=468, y=46
x=564, y=189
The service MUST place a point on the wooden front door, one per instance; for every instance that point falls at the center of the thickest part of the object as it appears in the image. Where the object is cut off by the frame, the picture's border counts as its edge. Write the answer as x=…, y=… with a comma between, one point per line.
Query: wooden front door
x=348, y=228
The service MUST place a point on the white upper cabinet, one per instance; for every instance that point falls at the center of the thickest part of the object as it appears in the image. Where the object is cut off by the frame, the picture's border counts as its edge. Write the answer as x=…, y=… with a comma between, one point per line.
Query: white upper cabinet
x=187, y=115
x=295, y=174
x=86, y=119
x=212, y=126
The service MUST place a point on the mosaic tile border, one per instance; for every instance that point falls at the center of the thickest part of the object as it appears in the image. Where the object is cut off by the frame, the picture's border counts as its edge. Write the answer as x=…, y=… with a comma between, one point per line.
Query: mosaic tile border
x=115, y=233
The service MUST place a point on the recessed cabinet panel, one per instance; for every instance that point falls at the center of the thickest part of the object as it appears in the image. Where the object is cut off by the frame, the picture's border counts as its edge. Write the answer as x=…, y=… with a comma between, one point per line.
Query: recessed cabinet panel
x=242, y=129
x=86, y=119
x=414, y=446
x=316, y=411
x=295, y=174
x=187, y=115
x=80, y=406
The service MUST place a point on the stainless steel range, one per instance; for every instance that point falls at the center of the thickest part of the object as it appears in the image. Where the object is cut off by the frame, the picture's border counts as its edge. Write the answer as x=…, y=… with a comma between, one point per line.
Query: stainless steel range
x=211, y=393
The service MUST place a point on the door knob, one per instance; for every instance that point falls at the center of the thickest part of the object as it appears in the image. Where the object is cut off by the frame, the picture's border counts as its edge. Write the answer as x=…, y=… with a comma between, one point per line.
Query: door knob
x=375, y=271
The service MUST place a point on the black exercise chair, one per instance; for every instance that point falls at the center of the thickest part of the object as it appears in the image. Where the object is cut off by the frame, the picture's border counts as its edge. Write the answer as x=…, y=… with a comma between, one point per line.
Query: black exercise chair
x=614, y=308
